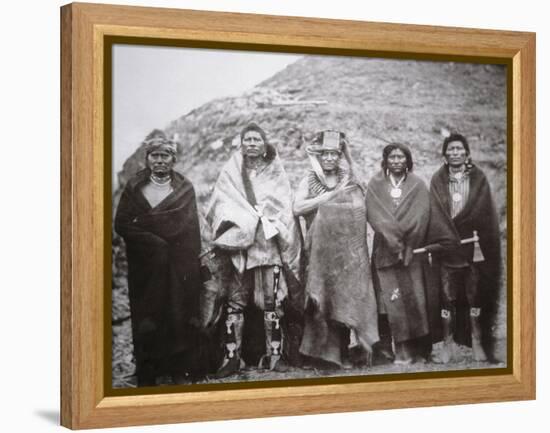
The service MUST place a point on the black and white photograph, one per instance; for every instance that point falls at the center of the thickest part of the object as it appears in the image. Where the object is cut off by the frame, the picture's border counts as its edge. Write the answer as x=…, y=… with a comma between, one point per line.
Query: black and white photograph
x=283, y=216
x=237, y=216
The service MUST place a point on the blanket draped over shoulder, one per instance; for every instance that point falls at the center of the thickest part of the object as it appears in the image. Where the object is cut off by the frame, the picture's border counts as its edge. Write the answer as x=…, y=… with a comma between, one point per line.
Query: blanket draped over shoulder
x=338, y=284
x=403, y=286
x=234, y=219
x=478, y=214
x=162, y=247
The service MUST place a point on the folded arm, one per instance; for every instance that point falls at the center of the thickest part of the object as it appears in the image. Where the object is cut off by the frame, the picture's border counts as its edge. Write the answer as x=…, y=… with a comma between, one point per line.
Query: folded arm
x=127, y=226
x=303, y=205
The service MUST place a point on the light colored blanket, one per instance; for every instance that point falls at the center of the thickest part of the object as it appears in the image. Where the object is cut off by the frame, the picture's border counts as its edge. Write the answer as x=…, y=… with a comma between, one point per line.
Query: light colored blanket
x=234, y=220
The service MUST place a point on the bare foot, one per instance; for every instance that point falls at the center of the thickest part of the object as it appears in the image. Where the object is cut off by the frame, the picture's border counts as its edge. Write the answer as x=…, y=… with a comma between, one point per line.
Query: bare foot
x=446, y=354
x=478, y=352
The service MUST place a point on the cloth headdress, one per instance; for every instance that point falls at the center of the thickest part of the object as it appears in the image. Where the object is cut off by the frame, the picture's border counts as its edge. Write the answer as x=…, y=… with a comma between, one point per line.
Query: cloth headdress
x=327, y=140
x=160, y=143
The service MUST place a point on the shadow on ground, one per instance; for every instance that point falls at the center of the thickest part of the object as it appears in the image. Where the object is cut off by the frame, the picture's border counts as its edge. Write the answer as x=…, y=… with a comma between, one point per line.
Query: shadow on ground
x=52, y=416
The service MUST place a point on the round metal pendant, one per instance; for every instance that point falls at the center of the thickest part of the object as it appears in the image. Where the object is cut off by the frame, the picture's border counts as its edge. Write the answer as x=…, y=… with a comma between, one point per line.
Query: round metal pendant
x=457, y=197
x=458, y=175
x=396, y=192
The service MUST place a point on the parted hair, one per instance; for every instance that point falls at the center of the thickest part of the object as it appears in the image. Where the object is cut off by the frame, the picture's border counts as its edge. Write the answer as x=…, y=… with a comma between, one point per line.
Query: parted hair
x=455, y=137
x=390, y=148
x=253, y=126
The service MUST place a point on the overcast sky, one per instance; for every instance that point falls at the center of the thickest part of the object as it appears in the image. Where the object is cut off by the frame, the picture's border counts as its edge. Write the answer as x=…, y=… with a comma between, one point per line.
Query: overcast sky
x=155, y=85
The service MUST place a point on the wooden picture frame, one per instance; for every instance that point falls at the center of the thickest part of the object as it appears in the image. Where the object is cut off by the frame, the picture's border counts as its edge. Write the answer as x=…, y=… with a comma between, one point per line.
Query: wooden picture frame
x=85, y=215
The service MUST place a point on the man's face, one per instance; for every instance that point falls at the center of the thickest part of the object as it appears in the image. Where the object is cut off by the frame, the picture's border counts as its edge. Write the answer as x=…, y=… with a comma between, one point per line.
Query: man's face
x=160, y=162
x=329, y=160
x=253, y=144
x=456, y=155
x=397, y=162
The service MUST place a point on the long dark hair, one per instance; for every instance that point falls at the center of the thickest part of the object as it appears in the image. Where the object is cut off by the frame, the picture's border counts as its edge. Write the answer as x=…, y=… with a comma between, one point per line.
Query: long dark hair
x=390, y=148
x=253, y=126
x=270, y=151
x=455, y=137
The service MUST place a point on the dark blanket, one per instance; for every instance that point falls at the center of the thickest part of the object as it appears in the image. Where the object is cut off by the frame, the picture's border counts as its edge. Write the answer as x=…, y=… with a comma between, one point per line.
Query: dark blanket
x=403, y=283
x=162, y=247
x=338, y=284
x=479, y=213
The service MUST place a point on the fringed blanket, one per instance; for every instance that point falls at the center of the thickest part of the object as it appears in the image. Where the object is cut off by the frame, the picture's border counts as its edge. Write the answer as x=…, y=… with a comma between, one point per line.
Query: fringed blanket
x=338, y=284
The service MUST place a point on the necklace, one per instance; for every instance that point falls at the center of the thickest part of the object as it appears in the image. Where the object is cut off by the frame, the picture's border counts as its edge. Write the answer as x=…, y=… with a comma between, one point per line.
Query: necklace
x=317, y=187
x=457, y=174
x=160, y=181
x=396, y=187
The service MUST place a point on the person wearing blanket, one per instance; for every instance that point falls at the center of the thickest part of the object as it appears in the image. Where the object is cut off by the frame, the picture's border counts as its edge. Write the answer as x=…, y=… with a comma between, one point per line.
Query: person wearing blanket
x=409, y=228
x=340, y=322
x=470, y=275
x=250, y=214
x=158, y=220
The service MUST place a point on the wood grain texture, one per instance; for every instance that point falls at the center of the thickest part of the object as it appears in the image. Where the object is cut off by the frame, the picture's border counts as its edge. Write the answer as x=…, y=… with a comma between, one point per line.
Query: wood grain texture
x=307, y=32
x=525, y=224
x=67, y=394
x=84, y=26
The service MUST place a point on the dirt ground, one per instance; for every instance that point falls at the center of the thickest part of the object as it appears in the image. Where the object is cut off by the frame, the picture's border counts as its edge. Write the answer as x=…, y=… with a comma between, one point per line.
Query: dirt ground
x=123, y=366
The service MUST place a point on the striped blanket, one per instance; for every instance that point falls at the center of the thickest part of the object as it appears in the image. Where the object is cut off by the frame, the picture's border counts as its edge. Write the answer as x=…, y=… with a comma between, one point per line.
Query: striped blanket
x=234, y=219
